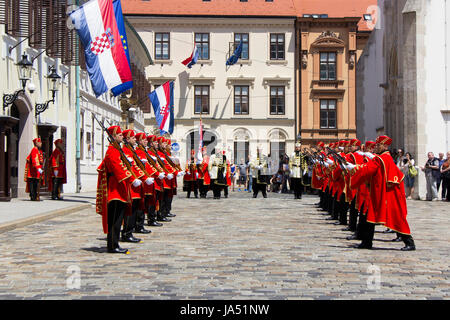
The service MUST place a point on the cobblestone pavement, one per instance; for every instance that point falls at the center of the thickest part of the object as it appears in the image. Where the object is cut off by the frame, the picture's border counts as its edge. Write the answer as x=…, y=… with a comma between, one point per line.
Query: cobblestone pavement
x=235, y=248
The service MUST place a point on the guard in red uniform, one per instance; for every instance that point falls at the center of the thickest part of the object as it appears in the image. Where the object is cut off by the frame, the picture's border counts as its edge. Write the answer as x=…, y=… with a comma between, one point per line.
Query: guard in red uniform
x=170, y=181
x=151, y=174
x=34, y=170
x=113, y=190
x=57, y=170
x=203, y=174
x=227, y=176
x=153, y=205
x=191, y=177
x=388, y=200
x=137, y=191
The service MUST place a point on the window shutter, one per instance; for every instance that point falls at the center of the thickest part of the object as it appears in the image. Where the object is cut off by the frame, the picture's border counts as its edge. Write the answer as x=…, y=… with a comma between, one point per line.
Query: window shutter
x=38, y=12
x=3, y=4
x=16, y=13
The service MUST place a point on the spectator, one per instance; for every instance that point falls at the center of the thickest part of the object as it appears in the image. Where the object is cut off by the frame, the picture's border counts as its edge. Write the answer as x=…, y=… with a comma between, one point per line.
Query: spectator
x=445, y=173
x=249, y=174
x=405, y=167
x=441, y=161
x=276, y=181
x=399, y=157
x=431, y=170
x=242, y=175
x=233, y=175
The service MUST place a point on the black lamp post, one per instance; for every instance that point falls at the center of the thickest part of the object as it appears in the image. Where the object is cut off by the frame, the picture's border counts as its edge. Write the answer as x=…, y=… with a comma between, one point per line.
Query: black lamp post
x=52, y=82
x=25, y=67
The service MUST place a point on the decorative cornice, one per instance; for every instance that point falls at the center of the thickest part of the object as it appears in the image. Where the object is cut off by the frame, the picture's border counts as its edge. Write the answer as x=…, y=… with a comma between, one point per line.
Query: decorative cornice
x=160, y=80
x=241, y=79
x=328, y=39
x=276, y=80
x=201, y=80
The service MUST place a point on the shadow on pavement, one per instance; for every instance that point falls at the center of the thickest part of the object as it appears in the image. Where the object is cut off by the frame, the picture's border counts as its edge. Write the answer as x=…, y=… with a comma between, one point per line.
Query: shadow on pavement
x=96, y=249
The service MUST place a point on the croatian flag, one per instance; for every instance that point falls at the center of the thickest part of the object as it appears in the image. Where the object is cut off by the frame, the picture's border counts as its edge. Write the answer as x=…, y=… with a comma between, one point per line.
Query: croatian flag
x=200, y=143
x=106, y=60
x=189, y=62
x=162, y=102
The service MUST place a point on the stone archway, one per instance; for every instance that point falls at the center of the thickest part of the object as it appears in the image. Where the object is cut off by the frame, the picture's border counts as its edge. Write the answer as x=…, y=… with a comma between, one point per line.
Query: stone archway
x=210, y=141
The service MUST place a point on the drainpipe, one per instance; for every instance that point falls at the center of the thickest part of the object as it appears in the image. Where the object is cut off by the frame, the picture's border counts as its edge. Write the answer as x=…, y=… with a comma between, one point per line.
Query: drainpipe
x=77, y=98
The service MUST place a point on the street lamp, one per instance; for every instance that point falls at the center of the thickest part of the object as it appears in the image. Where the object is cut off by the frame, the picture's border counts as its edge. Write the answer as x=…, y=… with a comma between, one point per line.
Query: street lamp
x=25, y=67
x=52, y=84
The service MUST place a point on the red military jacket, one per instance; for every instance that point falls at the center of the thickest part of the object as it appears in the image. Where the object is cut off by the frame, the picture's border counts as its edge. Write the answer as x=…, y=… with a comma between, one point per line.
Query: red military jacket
x=362, y=193
x=136, y=192
x=57, y=162
x=228, y=173
x=35, y=161
x=338, y=179
x=191, y=171
x=387, y=193
x=167, y=184
x=148, y=189
x=113, y=183
x=203, y=171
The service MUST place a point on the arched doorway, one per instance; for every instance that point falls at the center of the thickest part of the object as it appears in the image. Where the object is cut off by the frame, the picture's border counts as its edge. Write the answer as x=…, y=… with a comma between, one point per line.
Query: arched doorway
x=22, y=135
x=277, y=140
x=241, y=146
x=209, y=141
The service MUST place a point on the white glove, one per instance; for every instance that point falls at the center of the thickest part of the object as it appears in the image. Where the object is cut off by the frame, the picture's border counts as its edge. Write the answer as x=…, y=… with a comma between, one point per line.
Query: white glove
x=369, y=155
x=180, y=174
x=170, y=176
x=55, y=172
x=304, y=171
x=224, y=174
x=161, y=176
x=196, y=174
x=153, y=157
x=137, y=183
x=198, y=162
x=149, y=181
x=360, y=152
x=326, y=164
x=329, y=161
x=130, y=159
x=350, y=166
x=40, y=170
x=144, y=161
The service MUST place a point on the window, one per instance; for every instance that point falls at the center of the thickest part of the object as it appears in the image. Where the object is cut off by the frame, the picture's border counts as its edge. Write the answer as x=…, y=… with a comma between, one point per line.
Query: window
x=241, y=150
x=202, y=43
x=201, y=99
x=277, y=100
x=162, y=46
x=276, y=46
x=241, y=99
x=328, y=66
x=242, y=37
x=328, y=114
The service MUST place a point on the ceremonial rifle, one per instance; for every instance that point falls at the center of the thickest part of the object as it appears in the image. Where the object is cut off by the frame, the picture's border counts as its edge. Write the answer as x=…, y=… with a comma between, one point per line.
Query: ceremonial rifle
x=116, y=145
x=161, y=163
x=170, y=161
x=338, y=158
x=150, y=159
x=137, y=159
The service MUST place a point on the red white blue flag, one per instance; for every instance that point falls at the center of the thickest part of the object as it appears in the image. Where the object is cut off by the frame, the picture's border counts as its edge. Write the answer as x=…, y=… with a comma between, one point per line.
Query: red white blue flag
x=106, y=60
x=163, y=104
x=200, y=143
x=189, y=62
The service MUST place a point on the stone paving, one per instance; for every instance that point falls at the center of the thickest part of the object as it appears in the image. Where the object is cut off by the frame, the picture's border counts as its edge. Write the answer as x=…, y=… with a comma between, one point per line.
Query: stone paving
x=235, y=248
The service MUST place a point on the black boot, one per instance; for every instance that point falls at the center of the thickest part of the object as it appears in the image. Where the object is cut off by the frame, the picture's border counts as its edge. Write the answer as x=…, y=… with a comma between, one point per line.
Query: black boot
x=152, y=219
x=160, y=217
x=409, y=243
x=55, y=189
